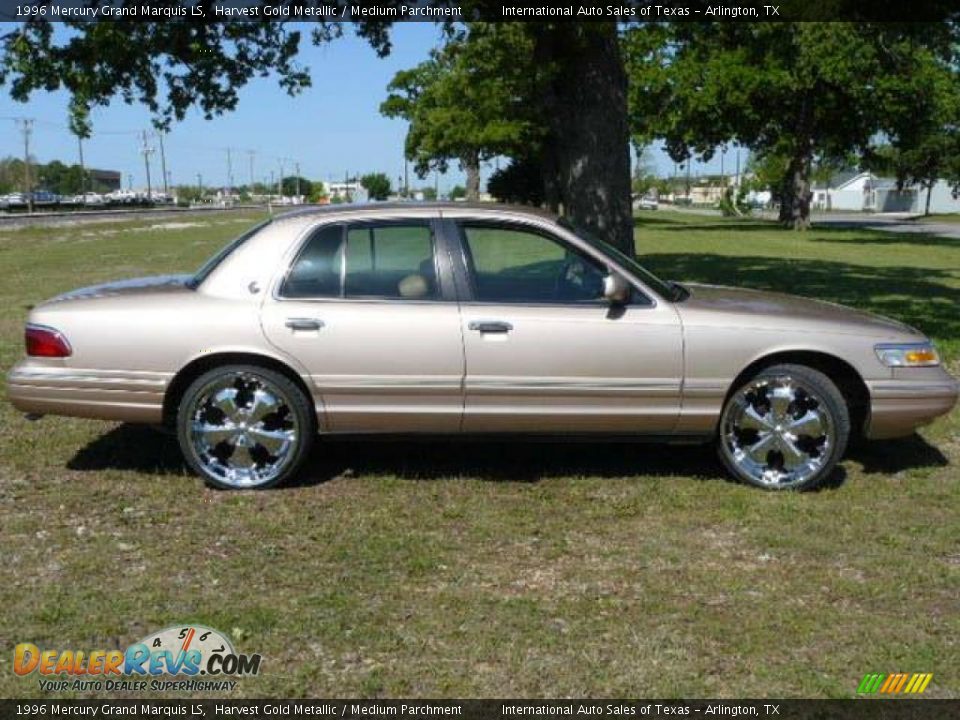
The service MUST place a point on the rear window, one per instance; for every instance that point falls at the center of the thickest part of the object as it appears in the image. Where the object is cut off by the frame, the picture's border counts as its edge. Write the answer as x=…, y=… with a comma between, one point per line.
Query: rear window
x=210, y=265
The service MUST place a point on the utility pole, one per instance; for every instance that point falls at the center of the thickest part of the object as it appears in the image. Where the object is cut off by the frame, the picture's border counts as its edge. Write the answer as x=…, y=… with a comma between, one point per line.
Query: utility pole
x=146, y=150
x=251, y=153
x=26, y=127
x=280, y=180
x=406, y=177
x=200, y=185
x=229, y=171
x=738, y=166
x=163, y=166
x=296, y=167
x=83, y=171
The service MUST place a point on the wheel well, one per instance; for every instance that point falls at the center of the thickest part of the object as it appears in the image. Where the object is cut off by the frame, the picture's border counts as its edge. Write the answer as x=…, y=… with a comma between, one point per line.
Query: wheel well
x=846, y=378
x=181, y=381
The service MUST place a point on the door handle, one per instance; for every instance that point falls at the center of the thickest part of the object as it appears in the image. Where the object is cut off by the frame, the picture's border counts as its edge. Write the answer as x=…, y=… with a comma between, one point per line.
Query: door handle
x=490, y=326
x=304, y=323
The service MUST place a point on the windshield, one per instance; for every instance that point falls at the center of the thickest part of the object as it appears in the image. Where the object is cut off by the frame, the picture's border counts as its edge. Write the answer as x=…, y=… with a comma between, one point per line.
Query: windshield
x=669, y=290
x=210, y=265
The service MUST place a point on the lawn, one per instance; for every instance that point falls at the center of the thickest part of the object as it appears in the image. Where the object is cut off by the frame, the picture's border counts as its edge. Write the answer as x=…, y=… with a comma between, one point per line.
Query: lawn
x=491, y=569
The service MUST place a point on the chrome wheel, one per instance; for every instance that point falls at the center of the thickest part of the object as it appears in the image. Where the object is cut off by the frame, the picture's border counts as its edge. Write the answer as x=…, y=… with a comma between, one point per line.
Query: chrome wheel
x=242, y=430
x=778, y=432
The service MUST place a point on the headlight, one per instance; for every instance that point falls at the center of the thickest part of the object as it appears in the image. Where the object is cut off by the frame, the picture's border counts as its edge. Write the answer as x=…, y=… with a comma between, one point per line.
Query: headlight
x=908, y=355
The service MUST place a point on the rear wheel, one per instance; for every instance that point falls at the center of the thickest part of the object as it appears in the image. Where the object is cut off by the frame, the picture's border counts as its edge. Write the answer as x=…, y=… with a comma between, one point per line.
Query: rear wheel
x=784, y=429
x=245, y=427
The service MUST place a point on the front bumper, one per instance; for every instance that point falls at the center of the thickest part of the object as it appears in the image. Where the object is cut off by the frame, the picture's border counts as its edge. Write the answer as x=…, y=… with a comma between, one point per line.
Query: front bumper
x=900, y=405
x=43, y=388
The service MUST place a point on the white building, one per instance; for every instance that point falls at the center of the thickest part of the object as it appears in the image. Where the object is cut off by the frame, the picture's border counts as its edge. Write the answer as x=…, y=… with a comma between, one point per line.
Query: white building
x=865, y=192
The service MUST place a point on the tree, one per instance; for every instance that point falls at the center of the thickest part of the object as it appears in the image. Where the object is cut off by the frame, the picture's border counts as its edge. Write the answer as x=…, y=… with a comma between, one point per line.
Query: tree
x=795, y=91
x=467, y=102
x=377, y=185
x=519, y=182
x=457, y=192
x=294, y=185
x=922, y=130
x=171, y=66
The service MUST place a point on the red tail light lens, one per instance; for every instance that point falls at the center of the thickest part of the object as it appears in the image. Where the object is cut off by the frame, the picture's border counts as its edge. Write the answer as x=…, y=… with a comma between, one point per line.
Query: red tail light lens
x=43, y=341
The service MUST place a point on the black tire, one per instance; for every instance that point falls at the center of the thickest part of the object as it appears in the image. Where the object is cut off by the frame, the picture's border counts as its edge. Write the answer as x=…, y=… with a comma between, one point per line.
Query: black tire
x=829, y=401
x=297, y=410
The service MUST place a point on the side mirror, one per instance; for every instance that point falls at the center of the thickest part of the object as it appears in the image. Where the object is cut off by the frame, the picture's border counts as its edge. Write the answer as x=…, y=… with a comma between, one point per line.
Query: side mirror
x=616, y=289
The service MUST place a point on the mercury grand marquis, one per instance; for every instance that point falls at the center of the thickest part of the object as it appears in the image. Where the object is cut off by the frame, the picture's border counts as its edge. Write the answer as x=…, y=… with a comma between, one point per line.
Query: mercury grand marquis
x=469, y=319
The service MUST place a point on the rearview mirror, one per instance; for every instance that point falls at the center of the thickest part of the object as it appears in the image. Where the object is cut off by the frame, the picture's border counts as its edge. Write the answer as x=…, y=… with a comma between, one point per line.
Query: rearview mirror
x=616, y=289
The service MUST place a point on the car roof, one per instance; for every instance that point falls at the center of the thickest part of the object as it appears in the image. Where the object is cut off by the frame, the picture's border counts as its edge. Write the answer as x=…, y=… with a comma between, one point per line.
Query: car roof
x=483, y=208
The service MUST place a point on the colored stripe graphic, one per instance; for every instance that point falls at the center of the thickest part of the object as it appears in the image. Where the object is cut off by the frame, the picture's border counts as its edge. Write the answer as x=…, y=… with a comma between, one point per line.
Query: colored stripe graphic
x=913, y=683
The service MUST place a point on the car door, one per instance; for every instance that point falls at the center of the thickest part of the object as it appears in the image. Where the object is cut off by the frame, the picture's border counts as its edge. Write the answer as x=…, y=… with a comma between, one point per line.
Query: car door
x=546, y=353
x=369, y=309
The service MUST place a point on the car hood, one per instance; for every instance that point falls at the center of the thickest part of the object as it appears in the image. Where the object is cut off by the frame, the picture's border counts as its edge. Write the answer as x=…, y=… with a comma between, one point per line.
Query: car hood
x=769, y=310
x=134, y=286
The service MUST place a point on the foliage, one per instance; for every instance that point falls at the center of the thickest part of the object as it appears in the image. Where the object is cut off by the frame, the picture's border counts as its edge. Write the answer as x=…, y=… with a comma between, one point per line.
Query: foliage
x=574, y=70
x=519, y=182
x=54, y=176
x=468, y=102
x=429, y=192
x=924, y=136
x=377, y=185
x=189, y=193
x=795, y=91
x=291, y=184
x=457, y=192
x=734, y=202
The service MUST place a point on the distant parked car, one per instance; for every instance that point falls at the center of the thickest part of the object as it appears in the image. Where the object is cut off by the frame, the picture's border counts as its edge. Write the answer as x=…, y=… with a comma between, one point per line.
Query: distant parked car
x=45, y=197
x=469, y=319
x=13, y=200
x=647, y=202
x=121, y=197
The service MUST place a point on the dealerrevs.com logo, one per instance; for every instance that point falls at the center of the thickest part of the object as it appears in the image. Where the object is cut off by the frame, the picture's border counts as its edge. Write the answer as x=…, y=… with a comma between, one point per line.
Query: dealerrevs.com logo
x=180, y=650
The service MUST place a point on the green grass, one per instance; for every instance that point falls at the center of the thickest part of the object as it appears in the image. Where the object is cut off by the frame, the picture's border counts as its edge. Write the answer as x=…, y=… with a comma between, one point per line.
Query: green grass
x=490, y=569
x=940, y=218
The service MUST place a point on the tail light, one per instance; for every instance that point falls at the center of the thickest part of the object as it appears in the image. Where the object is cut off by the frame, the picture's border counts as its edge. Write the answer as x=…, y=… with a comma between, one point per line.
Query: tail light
x=43, y=341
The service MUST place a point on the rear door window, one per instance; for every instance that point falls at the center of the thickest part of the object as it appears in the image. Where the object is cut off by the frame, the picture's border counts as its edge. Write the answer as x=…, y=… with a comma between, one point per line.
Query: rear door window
x=369, y=260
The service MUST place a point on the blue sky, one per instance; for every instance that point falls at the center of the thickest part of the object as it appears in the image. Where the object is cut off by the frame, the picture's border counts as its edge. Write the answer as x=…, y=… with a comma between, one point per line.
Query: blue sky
x=331, y=128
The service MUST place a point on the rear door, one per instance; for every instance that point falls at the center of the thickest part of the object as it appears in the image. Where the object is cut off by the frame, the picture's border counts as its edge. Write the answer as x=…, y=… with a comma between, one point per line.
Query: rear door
x=369, y=309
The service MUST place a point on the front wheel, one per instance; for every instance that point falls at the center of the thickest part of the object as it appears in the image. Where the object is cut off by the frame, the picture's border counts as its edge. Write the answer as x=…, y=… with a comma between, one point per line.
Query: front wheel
x=784, y=429
x=245, y=427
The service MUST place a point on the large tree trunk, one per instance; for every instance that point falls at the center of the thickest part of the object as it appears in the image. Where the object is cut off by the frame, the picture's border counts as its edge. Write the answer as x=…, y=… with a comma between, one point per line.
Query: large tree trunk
x=926, y=209
x=589, y=127
x=471, y=166
x=795, y=203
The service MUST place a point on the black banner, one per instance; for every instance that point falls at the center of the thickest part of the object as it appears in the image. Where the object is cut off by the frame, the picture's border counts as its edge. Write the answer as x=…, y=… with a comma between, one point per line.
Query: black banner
x=335, y=11
x=874, y=709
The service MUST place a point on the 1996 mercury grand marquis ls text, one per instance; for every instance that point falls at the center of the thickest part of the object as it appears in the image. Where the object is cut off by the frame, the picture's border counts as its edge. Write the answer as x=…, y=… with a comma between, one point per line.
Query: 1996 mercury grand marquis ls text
x=461, y=319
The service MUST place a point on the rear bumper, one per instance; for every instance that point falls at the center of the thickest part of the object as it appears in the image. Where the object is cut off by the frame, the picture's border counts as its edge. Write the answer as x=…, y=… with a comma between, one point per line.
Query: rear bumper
x=898, y=407
x=130, y=396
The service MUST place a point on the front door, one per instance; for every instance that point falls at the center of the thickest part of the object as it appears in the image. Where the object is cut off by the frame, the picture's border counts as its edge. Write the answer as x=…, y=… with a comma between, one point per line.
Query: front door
x=546, y=353
x=368, y=308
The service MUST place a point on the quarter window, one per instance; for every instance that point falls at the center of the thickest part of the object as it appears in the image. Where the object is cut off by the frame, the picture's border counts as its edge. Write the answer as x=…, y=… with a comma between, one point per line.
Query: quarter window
x=365, y=261
x=522, y=266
